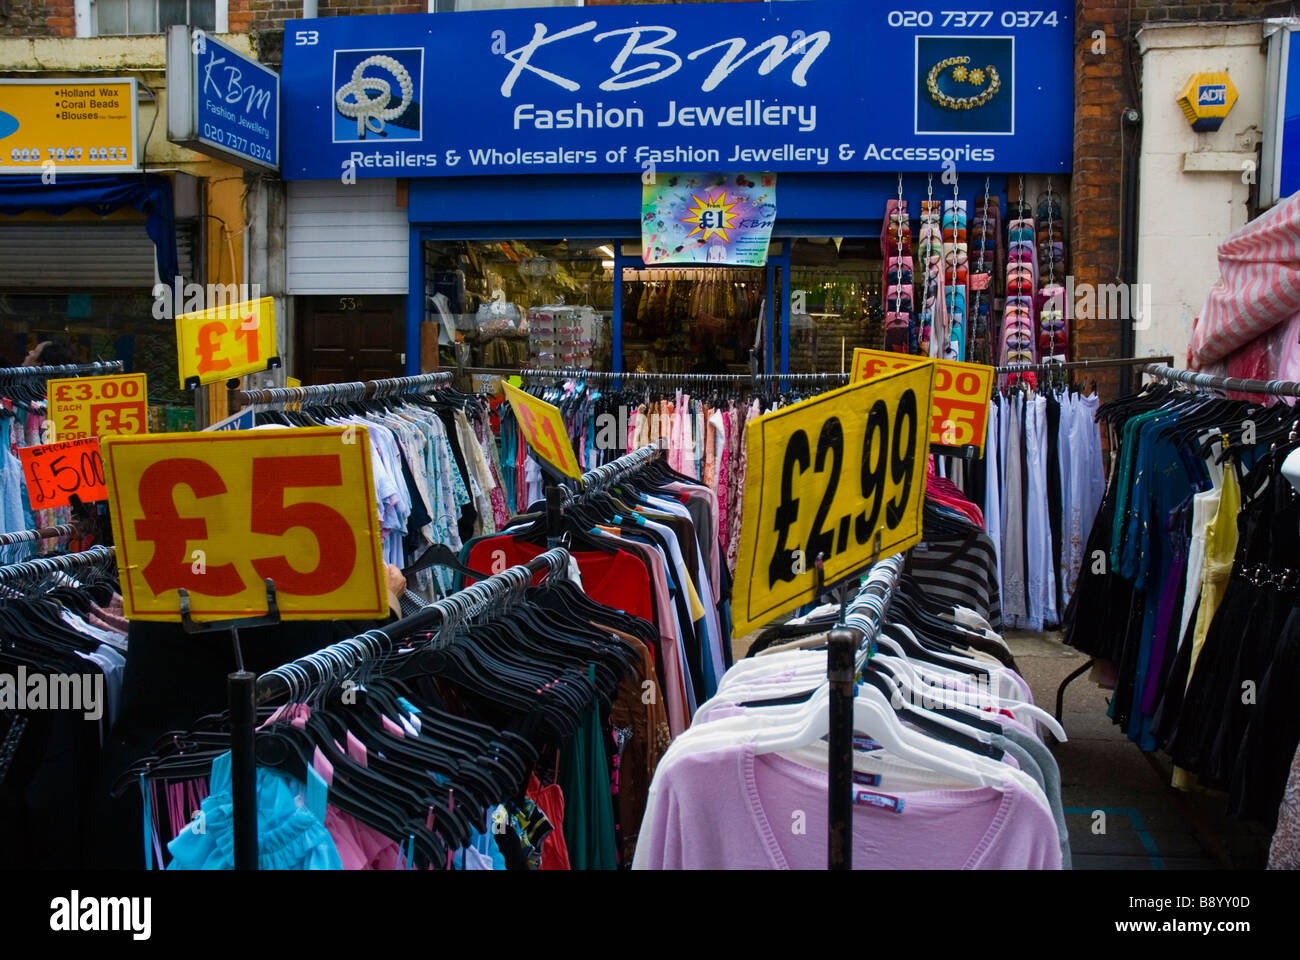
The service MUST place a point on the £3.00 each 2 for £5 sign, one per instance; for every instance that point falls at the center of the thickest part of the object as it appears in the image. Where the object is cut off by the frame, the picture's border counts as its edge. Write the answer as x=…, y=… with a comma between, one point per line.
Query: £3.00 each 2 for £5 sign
x=217, y=513
x=825, y=476
x=98, y=406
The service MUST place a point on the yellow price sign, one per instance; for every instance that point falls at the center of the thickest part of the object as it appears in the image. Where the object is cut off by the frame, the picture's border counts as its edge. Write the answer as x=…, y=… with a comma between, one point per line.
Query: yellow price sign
x=959, y=416
x=224, y=342
x=216, y=513
x=83, y=407
x=825, y=477
x=543, y=428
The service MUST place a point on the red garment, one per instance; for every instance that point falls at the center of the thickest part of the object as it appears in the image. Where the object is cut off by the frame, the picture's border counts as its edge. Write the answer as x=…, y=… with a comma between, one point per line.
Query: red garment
x=944, y=491
x=550, y=800
x=617, y=580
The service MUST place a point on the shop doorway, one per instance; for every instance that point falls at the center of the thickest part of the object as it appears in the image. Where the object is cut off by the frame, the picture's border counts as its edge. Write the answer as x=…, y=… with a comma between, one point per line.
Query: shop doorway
x=343, y=339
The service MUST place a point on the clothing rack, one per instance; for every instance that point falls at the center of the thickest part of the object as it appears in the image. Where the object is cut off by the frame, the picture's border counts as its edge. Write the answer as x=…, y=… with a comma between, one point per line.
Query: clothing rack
x=15, y=574
x=98, y=368
x=44, y=533
x=1081, y=364
x=1275, y=388
x=575, y=374
x=330, y=392
x=849, y=647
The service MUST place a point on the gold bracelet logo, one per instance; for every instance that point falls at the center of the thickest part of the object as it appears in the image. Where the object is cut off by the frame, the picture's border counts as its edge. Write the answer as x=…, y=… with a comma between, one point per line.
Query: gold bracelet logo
x=961, y=73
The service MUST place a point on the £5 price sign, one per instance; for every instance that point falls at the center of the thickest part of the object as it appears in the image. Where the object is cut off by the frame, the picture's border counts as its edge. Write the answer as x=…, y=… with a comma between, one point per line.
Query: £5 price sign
x=217, y=513
x=825, y=476
x=55, y=472
x=543, y=428
x=225, y=342
x=98, y=406
x=959, y=416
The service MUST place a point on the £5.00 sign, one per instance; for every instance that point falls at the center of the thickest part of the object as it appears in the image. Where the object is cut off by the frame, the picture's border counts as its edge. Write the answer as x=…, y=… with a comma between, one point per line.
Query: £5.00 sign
x=224, y=342
x=825, y=476
x=98, y=406
x=543, y=428
x=959, y=416
x=217, y=513
x=56, y=472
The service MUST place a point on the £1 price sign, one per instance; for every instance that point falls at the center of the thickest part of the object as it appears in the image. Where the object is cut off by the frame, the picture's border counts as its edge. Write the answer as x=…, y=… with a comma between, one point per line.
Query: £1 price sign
x=825, y=476
x=543, y=428
x=55, y=472
x=217, y=513
x=98, y=406
x=959, y=416
x=225, y=342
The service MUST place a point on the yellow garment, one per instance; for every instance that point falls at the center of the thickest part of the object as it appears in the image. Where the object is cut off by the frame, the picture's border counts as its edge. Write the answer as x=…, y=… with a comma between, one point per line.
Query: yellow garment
x=1220, y=548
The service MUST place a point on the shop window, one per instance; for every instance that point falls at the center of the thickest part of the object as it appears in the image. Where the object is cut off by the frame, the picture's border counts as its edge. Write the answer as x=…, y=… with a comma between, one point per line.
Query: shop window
x=111, y=18
x=511, y=304
x=835, y=302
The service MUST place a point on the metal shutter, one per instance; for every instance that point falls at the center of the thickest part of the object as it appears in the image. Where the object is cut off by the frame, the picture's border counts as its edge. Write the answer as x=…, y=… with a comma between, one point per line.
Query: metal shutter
x=346, y=238
x=57, y=256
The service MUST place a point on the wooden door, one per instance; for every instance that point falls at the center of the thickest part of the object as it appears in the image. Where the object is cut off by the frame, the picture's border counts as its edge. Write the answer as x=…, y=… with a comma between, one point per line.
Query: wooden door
x=344, y=339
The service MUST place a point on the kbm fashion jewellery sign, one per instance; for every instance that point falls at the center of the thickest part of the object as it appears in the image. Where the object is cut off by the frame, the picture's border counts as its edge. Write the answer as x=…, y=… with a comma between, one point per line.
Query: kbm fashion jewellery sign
x=840, y=85
x=68, y=126
x=221, y=102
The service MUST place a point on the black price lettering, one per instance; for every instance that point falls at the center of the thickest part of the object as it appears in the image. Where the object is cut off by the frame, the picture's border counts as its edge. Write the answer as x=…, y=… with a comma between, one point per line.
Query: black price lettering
x=797, y=456
x=900, y=466
x=831, y=440
x=873, y=475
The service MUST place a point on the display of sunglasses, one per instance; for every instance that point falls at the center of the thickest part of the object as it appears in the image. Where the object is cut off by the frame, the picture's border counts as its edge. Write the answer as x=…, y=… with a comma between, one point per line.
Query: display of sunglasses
x=954, y=234
x=1022, y=223
x=955, y=275
x=956, y=254
x=953, y=220
x=1051, y=251
x=1025, y=255
x=1021, y=236
x=1052, y=206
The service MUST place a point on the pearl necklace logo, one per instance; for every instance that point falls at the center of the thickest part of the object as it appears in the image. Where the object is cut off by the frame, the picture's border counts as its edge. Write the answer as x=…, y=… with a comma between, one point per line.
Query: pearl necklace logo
x=371, y=113
x=963, y=74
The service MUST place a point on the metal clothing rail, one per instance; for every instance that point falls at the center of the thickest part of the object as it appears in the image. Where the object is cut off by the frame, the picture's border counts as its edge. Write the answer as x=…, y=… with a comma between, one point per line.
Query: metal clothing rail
x=44, y=533
x=337, y=660
x=1081, y=364
x=64, y=370
x=577, y=374
x=59, y=563
x=1275, y=388
x=329, y=392
x=615, y=470
x=848, y=649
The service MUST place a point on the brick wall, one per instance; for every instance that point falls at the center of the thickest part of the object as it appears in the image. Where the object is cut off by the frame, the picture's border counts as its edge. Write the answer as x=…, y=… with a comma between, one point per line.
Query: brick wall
x=39, y=18
x=265, y=18
x=1105, y=85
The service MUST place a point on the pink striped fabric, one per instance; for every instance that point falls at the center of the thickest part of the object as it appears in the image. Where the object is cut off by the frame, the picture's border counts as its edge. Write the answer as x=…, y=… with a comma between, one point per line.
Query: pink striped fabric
x=1258, y=286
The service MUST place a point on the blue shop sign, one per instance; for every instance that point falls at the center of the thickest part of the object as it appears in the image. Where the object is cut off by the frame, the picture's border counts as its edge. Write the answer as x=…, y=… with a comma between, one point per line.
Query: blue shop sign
x=819, y=85
x=222, y=102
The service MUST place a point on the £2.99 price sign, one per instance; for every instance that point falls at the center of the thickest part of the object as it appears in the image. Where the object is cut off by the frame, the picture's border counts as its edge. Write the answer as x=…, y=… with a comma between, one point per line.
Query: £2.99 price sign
x=98, y=406
x=959, y=416
x=825, y=476
x=543, y=428
x=55, y=472
x=225, y=341
x=216, y=513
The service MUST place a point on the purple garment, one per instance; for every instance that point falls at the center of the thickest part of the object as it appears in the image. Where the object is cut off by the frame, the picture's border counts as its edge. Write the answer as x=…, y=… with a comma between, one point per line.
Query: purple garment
x=1169, y=597
x=730, y=809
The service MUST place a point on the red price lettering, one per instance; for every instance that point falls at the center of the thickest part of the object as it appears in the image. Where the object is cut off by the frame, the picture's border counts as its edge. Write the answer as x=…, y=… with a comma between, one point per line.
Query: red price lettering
x=337, y=547
x=249, y=336
x=209, y=343
x=170, y=566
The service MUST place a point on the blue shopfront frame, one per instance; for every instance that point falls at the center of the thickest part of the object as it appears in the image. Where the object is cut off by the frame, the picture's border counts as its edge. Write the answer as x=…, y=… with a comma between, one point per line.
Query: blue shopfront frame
x=606, y=208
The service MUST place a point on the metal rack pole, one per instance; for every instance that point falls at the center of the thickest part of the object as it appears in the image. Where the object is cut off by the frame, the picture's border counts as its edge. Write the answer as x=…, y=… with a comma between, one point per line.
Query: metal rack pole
x=1275, y=388
x=333, y=391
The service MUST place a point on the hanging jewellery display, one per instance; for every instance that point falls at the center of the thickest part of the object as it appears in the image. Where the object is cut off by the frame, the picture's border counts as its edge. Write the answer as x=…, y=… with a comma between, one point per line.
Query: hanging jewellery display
x=963, y=74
